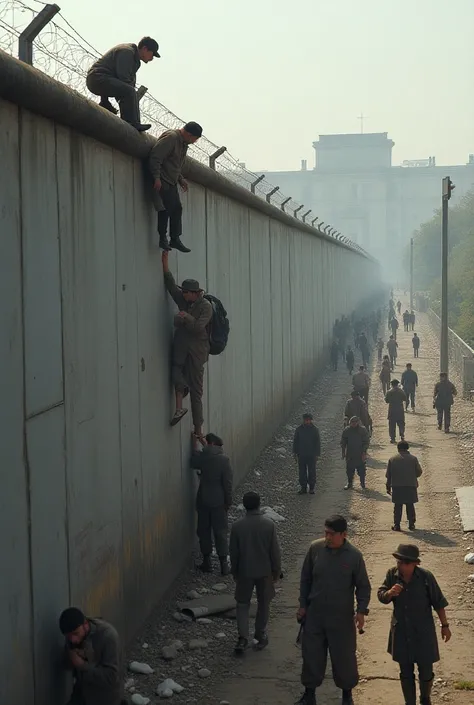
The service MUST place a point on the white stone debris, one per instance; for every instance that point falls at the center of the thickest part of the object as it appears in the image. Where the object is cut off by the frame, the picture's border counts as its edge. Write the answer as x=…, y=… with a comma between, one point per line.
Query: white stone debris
x=219, y=587
x=469, y=558
x=204, y=620
x=180, y=617
x=273, y=515
x=168, y=688
x=204, y=673
x=196, y=644
x=193, y=595
x=129, y=683
x=143, y=668
x=138, y=699
x=169, y=653
x=145, y=646
x=221, y=635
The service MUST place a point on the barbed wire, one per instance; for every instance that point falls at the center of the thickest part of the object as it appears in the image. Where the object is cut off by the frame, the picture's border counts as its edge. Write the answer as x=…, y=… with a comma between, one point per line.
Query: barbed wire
x=62, y=53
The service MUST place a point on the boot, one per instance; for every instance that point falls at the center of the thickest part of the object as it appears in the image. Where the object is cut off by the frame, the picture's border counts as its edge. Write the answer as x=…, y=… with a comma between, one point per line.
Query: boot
x=350, y=482
x=176, y=244
x=206, y=565
x=241, y=646
x=225, y=570
x=139, y=127
x=308, y=697
x=164, y=244
x=409, y=690
x=303, y=490
x=105, y=103
x=412, y=526
x=262, y=641
x=347, y=697
x=425, y=692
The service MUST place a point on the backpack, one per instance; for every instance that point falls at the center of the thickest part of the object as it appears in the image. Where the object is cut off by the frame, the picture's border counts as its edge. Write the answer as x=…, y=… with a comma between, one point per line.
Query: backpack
x=219, y=326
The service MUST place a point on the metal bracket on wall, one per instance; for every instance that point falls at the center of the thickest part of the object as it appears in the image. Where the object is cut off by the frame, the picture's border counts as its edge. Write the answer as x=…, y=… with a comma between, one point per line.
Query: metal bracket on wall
x=270, y=193
x=29, y=34
x=214, y=157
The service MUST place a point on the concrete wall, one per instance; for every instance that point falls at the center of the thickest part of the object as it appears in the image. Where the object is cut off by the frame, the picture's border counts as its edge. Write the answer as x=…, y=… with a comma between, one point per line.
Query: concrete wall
x=461, y=355
x=96, y=501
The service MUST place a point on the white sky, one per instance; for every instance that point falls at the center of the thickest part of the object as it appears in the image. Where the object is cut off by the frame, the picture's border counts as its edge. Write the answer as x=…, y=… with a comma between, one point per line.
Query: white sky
x=266, y=77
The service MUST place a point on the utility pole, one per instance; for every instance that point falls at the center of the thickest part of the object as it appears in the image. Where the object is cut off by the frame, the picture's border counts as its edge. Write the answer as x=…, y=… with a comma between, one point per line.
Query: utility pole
x=448, y=188
x=411, y=274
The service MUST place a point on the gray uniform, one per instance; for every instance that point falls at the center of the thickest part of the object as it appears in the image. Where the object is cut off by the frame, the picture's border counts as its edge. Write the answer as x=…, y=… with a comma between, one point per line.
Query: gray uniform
x=114, y=76
x=410, y=383
x=100, y=683
x=385, y=377
x=255, y=562
x=396, y=400
x=190, y=347
x=403, y=471
x=361, y=383
x=328, y=580
x=357, y=407
x=444, y=393
x=354, y=443
x=166, y=161
x=392, y=347
x=213, y=499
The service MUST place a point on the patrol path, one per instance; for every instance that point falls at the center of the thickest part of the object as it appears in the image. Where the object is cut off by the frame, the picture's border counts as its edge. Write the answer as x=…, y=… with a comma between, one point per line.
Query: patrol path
x=273, y=676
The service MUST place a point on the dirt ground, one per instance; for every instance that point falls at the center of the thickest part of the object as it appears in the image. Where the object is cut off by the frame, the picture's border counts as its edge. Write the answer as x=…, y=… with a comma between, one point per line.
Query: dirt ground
x=272, y=676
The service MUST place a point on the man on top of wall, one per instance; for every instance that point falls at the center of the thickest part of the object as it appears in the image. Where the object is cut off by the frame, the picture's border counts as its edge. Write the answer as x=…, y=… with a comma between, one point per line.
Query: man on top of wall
x=114, y=76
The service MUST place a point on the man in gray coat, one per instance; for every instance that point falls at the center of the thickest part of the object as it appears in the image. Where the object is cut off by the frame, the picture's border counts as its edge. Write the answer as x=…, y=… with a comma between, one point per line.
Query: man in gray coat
x=355, y=443
x=190, y=346
x=255, y=563
x=94, y=654
x=361, y=383
x=307, y=450
x=443, y=399
x=114, y=76
x=409, y=385
x=396, y=400
x=332, y=570
x=355, y=406
x=213, y=500
x=392, y=347
x=166, y=162
x=403, y=471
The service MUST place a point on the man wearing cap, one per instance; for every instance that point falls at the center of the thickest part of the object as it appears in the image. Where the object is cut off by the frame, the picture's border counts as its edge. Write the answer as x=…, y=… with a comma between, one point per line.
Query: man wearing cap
x=307, y=450
x=190, y=345
x=355, y=443
x=403, y=471
x=94, y=654
x=114, y=76
x=409, y=384
x=355, y=406
x=332, y=572
x=361, y=383
x=396, y=400
x=166, y=162
x=412, y=640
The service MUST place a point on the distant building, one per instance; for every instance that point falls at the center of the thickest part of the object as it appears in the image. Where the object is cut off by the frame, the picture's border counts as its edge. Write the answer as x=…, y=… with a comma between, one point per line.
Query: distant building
x=355, y=188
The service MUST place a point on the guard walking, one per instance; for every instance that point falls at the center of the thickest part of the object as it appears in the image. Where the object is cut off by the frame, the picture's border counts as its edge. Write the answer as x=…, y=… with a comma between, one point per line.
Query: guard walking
x=255, y=563
x=213, y=500
x=415, y=341
x=307, y=450
x=392, y=347
x=385, y=374
x=361, y=383
x=414, y=593
x=409, y=385
x=403, y=471
x=396, y=400
x=332, y=570
x=349, y=359
x=355, y=441
x=443, y=399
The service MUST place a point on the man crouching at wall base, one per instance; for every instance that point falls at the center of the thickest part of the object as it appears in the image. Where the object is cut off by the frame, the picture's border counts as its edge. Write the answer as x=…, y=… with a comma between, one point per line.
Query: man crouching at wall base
x=93, y=653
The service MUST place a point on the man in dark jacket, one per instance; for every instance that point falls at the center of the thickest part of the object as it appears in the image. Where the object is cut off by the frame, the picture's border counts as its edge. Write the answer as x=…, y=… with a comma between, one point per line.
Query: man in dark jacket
x=409, y=385
x=349, y=359
x=332, y=570
x=415, y=341
x=412, y=640
x=443, y=399
x=406, y=319
x=392, y=347
x=394, y=326
x=403, y=471
x=355, y=443
x=307, y=449
x=190, y=345
x=396, y=400
x=214, y=498
x=94, y=654
x=166, y=162
x=114, y=76
x=361, y=383
x=256, y=563
x=356, y=406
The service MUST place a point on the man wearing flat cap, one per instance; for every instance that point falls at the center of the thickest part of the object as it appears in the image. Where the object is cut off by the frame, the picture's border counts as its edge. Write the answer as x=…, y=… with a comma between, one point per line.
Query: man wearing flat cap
x=114, y=75
x=190, y=345
x=355, y=443
x=307, y=450
x=396, y=400
x=412, y=640
x=94, y=654
x=166, y=162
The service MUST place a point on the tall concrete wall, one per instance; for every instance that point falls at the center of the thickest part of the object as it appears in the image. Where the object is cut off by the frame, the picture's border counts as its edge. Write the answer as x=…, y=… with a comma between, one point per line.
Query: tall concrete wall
x=96, y=503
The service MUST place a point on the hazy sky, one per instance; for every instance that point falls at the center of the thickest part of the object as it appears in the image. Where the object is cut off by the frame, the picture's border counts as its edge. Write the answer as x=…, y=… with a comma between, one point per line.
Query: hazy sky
x=266, y=77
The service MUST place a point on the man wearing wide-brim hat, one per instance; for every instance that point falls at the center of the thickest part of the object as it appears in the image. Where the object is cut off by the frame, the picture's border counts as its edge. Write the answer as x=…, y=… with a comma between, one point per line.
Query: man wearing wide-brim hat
x=412, y=640
x=190, y=345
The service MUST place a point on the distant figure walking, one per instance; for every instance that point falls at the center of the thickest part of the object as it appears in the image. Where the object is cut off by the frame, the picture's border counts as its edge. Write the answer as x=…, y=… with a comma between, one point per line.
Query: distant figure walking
x=361, y=383
x=385, y=374
x=415, y=341
x=396, y=400
x=394, y=326
x=409, y=384
x=399, y=306
x=443, y=399
x=355, y=443
x=406, y=320
x=392, y=347
x=380, y=347
x=350, y=359
x=307, y=450
x=403, y=471
x=412, y=320
x=334, y=354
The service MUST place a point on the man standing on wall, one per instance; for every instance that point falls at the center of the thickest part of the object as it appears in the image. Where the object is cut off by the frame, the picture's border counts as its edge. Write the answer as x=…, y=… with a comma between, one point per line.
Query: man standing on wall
x=166, y=162
x=307, y=450
x=355, y=443
x=409, y=384
x=403, y=471
x=214, y=499
x=443, y=399
x=256, y=563
x=190, y=345
x=114, y=75
x=332, y=570
x=93, y=652
x=396, y=400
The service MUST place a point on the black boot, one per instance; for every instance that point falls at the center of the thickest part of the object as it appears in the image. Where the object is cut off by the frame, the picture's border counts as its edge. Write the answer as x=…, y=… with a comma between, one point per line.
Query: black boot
x=176, y=244
x=139, y=127
x=225, y=570
x=409, y=690
x=308, y=697
x=105, y=103
x=241, y=646
x=347, y=697
x=425, y=692
x=206, y=565
x=164, y=244
x=349, y=485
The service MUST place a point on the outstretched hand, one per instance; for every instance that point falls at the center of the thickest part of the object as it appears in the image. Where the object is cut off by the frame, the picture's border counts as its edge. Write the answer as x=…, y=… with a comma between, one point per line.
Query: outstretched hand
x=165, y=259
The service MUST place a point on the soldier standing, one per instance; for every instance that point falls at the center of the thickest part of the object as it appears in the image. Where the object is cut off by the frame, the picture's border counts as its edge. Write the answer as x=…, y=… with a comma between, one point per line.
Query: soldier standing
x=409, y=384
x=415, y=341
x=403, y=471
x=443, y=399
x=256, y=563
x=412, y=640
x=355, y=443
x=332, y=570
x=396, y=400
x=213, y=500
x=307, y=449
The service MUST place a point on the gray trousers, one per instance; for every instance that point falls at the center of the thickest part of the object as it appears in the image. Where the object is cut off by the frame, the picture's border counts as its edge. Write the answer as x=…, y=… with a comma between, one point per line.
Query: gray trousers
x=336, y=634
x=410, y=397
x=187, y=372
x=243, y=594
x=212, y=520
x=392, y=428
x=110, y=87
